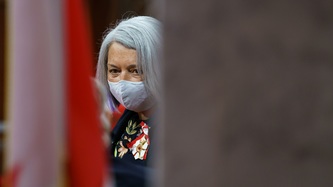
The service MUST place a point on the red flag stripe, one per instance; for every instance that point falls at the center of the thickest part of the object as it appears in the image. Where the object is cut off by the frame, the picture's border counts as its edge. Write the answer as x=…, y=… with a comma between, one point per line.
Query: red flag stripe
x=85, y=148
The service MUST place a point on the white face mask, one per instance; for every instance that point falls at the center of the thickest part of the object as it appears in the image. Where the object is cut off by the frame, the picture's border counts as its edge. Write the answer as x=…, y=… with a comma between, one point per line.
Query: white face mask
x=132, y=95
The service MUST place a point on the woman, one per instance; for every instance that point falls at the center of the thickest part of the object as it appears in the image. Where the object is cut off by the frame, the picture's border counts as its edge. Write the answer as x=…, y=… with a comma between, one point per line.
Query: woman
x=128, y=65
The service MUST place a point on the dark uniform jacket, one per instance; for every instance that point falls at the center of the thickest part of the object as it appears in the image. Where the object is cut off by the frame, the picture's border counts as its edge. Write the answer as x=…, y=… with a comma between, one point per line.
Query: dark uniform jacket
x=130, y=151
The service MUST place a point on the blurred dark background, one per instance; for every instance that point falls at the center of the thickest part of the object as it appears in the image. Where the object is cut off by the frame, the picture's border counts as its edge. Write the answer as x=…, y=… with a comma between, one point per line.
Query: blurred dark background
x=103, y=14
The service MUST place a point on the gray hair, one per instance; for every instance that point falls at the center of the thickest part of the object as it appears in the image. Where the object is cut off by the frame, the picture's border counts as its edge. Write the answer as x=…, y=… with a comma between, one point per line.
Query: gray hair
x=143, y=34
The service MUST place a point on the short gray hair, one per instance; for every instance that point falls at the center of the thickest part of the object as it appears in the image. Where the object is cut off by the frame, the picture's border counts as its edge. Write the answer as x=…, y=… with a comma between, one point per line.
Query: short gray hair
x=143, y=34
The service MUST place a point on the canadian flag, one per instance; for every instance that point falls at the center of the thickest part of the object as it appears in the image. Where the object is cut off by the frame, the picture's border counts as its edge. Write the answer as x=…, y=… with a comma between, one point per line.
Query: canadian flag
x=54, y=133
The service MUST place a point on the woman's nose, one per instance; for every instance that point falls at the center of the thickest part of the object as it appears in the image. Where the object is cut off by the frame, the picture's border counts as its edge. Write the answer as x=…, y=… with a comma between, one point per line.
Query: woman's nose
x=124, y=76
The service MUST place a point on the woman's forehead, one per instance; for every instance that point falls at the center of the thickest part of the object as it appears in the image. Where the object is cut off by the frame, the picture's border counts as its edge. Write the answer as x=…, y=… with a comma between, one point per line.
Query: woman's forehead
x=119, y=54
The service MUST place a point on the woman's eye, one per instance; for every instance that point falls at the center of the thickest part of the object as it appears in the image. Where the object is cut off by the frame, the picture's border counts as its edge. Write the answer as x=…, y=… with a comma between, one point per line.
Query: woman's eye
x=134, y=71
x=113, y=71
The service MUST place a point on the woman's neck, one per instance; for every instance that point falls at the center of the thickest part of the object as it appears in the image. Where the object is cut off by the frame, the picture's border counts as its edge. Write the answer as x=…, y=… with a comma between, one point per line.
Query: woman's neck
x=142, y=116
x=145, y=114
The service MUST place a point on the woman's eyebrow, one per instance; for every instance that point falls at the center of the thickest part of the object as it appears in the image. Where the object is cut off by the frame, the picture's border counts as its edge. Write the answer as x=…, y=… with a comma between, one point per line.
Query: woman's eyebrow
x=111, y=65
x=131, y=66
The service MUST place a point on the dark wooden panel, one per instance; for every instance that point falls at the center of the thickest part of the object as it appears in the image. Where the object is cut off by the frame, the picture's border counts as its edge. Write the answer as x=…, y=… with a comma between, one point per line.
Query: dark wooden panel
x=2, y=58
x=104, y=14
x=2, y=77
